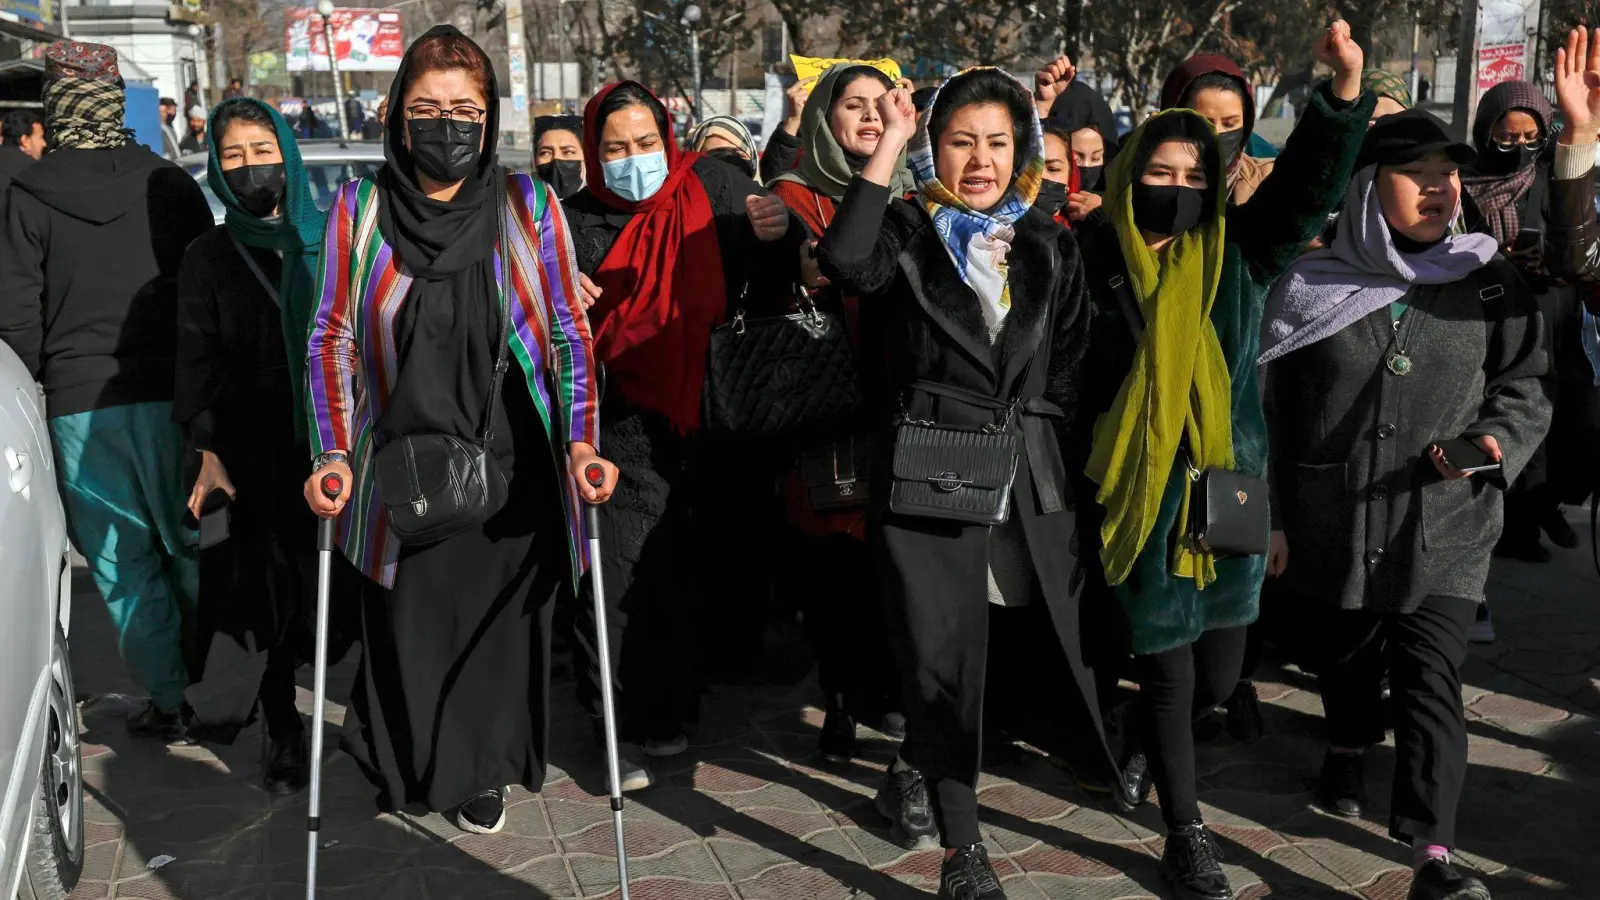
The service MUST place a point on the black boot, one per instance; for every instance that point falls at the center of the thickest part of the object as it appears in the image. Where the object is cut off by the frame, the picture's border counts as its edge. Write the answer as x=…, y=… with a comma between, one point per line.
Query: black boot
x=903, y=800
x=967, y=875
x=154, y=722
x=1560, y=530
x=288, y=765
x=1133, y=769
x=1192, y=864
x=1439, y=880
x=1244, y=714
x=1343, y=787
x=838, y=739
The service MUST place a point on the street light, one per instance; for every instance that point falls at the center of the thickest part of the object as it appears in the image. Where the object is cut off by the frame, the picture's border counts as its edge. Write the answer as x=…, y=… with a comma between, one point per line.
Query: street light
x=691, y=18
x=325, y=9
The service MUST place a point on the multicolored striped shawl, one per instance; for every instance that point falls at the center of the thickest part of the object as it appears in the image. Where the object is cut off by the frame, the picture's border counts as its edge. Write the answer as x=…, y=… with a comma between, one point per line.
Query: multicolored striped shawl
x=353, y=364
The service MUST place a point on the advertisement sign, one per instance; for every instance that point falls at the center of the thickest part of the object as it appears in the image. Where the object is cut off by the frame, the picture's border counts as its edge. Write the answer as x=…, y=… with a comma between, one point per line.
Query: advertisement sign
x=366, y=40
x=1499, y=63
x=36, y=11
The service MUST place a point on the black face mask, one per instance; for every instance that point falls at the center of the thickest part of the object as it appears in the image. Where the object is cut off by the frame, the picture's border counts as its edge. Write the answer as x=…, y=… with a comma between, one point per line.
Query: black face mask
x=259, y=189
x=1167, y=209
x=565, y=176
x=444, y=150
x=1052, y=196
x=1089, y=177
x=734, y=158
x=1496, y=160
x=1229, y=144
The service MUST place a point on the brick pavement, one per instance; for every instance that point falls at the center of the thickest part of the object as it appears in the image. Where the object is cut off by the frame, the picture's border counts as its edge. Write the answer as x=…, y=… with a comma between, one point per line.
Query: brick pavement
x=750, y=813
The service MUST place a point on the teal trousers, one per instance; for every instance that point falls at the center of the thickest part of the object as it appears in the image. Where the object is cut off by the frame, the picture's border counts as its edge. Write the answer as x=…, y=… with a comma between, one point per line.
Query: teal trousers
x=121, y=475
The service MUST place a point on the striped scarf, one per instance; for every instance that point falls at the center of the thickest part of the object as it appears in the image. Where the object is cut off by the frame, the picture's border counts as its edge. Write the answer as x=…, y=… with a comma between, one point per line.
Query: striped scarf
x=978, y=242
x=84, y=114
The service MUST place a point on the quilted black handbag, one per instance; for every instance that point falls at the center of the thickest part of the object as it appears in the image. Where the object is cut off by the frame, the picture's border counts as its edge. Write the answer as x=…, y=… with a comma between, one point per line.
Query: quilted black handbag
x=435, y=486
x=956, y=474
x=781, y=376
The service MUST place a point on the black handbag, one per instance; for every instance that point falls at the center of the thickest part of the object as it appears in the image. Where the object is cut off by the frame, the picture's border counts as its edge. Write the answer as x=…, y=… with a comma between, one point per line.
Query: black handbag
x=834, y=473
x=1229, y=511
x=781, y=376
x=956, y=474
x=435, y=486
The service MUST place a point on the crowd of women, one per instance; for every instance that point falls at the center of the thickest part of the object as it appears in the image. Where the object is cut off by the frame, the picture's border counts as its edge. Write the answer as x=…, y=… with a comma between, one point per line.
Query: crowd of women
x=1114, y=398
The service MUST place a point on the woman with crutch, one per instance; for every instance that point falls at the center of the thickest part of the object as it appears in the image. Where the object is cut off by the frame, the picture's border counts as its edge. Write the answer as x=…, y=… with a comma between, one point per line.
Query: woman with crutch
x=441, y=275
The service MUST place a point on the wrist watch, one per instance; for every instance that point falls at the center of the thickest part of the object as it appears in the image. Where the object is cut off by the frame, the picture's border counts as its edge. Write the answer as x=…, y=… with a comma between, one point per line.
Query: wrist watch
x=323, y=460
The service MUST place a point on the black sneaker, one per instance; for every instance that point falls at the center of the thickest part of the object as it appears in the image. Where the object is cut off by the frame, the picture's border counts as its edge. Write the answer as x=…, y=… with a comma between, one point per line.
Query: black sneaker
x=1343, y=788
x=838, y=739
x=893, y=726
x=288, y=766
x=1244, y=714
x=1439, y=880
x=1192, y=864
x=155, y=722
x=483, y=814
x=903, y=800
x=1560, y=530
x=1133, y=791
x=967, y=875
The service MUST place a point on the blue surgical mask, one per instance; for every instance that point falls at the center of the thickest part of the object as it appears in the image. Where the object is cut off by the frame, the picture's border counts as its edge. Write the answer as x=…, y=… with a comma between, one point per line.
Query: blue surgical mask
x=635, y=178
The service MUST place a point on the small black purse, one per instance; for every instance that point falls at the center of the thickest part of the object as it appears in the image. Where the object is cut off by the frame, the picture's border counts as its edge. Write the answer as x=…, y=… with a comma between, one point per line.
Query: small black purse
x=781, y=376
x=435, y=486
x=835, y=475
x=956, y=474
x=1229, y=512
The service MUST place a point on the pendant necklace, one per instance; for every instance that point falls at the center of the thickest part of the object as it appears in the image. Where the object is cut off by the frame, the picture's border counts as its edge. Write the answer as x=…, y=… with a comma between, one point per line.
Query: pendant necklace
x=1399, y=361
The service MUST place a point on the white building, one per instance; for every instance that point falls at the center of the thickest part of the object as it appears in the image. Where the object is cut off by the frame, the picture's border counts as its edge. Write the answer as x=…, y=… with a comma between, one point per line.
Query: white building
x=171, y=53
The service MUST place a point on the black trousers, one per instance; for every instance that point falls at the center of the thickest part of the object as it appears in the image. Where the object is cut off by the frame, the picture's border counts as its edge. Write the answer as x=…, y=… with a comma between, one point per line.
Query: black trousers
x=1422, y=652
x=1176, y=687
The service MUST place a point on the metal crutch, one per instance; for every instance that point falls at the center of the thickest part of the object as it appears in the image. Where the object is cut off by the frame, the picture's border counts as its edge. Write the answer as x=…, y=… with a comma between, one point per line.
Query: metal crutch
x=332, y=486
x=595, y=474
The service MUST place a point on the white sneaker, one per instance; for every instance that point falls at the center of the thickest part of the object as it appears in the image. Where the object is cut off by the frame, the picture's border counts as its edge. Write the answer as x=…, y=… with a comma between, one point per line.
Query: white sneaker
x=1481, y=631
x=631, y=769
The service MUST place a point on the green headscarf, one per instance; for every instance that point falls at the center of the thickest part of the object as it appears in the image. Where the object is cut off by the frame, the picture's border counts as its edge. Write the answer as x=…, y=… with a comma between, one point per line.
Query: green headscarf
x=1178, y=388
x=296, y=234
x=824, y=167
x=1385, y=83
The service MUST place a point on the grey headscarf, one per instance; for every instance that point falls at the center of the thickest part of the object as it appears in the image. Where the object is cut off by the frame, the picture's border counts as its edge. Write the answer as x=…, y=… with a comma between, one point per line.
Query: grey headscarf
x=1329, y=290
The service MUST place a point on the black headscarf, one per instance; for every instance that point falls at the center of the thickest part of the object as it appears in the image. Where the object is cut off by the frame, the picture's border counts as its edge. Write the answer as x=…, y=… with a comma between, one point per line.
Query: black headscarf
x=447, y=328
x=1081, y=106
x=436, y=239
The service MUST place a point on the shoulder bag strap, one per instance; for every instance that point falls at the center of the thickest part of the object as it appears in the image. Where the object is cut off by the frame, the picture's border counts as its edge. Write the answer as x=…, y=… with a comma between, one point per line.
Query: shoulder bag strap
x=249, y=260
x=1130, y=308
x=504, y=284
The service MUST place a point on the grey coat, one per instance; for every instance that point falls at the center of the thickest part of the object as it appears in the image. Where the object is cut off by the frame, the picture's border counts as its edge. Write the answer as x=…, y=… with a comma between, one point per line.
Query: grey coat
x=1370, y=523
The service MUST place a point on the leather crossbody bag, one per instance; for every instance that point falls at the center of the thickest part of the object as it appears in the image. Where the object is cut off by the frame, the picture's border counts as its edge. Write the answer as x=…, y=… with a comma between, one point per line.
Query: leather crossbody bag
x=835, y=473
x=435, y=486
x=957, y=474
x=1229, y=511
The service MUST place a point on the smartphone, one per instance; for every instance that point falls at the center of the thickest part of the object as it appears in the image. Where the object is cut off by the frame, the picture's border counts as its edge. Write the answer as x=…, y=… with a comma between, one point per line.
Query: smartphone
x=1527, y=239
x=1467, y=456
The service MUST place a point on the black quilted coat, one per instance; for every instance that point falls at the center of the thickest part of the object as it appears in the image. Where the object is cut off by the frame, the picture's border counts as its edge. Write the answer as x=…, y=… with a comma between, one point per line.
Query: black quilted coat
x=920, y=321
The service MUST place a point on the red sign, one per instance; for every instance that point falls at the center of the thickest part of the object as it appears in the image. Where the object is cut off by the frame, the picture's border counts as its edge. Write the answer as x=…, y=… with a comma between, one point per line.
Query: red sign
x=1500, y=62
x=366, y=40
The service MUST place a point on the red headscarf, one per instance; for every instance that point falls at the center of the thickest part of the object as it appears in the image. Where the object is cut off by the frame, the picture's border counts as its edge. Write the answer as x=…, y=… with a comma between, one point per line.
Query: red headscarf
x=1201, y=64
x=662, y=287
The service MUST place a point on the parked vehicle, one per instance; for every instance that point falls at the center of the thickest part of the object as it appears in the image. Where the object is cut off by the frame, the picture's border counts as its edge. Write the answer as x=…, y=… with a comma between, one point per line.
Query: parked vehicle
x=41, y=817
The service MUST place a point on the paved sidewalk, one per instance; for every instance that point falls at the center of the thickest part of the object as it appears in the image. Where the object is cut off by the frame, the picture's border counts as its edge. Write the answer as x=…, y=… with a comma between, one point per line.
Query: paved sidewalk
x=749, y=812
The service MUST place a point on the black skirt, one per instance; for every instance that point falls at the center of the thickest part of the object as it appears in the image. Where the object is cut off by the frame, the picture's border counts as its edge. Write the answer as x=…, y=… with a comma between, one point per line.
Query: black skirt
x=452, y=697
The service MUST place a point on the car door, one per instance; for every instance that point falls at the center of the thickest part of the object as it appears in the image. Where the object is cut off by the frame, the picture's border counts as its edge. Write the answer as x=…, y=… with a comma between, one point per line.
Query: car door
x=26, y=607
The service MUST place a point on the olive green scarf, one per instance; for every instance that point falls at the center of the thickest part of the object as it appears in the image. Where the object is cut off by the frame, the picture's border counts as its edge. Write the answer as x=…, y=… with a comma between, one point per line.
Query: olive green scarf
x=1178, y=386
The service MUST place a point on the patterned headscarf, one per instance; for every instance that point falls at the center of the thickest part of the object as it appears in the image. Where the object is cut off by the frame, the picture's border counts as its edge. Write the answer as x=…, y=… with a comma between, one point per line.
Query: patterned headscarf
x=979, y=241
x=83, y=96
x=1385, y=83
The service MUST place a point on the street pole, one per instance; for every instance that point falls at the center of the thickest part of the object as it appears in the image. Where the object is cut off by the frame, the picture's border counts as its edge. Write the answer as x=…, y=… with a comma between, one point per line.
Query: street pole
x=561, y=72
x=517, y=64
x=325, y=7
x=1416, y=57
x=1466, y=99
x=694, y=60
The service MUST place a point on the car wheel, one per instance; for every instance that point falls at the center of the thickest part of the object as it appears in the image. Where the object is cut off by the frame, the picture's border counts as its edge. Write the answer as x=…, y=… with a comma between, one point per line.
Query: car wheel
x=55, y=849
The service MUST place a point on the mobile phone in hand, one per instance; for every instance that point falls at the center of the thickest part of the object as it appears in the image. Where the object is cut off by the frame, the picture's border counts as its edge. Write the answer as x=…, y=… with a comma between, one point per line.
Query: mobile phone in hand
x=1527, y=239
x=1467, y=456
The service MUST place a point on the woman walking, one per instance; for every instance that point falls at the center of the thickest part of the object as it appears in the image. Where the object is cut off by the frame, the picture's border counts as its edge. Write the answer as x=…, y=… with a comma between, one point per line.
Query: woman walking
x=676, y=244
x=974, y=303
x=245, y=295
x=429, y=268
x=1398, y=341
x=831, y=573
x=1178, y=275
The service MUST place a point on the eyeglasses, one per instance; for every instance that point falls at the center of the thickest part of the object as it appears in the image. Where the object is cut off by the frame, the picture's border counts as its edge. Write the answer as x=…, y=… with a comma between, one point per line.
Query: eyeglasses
x=467, y=114
x=1535, y=145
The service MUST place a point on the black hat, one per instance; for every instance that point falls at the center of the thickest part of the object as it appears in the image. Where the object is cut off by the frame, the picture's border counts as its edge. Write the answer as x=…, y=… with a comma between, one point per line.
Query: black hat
x=1409, y=136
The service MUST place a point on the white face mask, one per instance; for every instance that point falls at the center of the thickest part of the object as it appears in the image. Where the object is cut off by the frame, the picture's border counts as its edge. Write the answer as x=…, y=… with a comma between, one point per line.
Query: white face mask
x=636, y=178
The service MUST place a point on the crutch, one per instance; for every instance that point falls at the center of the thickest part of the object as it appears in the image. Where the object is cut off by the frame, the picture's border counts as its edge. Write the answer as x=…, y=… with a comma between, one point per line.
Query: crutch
x=332, y=486
x=595, y=474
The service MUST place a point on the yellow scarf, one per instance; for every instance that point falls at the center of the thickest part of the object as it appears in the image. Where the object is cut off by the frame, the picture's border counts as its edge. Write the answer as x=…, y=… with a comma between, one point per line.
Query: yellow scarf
x=1178, y=386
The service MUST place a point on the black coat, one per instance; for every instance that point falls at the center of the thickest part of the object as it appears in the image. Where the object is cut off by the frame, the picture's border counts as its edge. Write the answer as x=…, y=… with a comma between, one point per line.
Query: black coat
x=920, y=321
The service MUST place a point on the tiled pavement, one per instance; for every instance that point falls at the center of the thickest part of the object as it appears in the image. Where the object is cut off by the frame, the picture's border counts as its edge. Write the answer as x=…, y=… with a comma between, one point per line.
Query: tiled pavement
x=750, y=813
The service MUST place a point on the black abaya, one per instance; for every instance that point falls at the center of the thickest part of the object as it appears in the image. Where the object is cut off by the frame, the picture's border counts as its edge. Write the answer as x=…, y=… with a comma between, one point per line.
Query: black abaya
x=451, y=698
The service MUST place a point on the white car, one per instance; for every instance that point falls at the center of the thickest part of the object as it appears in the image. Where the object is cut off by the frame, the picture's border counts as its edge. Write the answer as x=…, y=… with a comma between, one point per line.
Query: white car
x=41, y=809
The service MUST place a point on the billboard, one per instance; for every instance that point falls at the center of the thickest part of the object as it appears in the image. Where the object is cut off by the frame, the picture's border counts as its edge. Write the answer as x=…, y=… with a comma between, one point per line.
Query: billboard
x=366, y=40
x=39, y=12
x=1500, y=62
